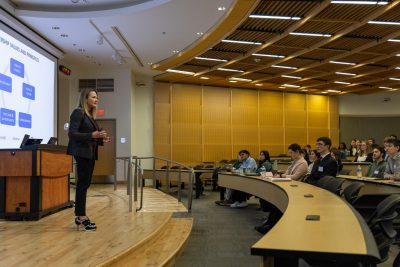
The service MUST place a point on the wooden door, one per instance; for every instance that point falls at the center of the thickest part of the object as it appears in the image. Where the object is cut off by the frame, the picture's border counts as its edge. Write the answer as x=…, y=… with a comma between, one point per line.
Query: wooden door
x=104, y=171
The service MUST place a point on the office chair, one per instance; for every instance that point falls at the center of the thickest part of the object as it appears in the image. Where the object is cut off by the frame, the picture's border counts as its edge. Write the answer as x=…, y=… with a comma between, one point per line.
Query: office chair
x=344, y=172
x=350, y=193
x=323, y=181
x=334, y=185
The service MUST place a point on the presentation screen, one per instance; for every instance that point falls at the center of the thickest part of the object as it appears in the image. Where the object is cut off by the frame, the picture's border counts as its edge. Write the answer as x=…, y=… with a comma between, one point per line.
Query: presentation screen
x=27, y=90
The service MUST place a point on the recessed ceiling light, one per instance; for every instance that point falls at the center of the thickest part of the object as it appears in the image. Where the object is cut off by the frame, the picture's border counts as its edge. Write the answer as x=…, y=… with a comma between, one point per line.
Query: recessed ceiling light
x=281, y=87
x=339, y=82
x=211, y=59
x=394, y=79
x=385, y=87
x=311, y=34
x=360, y=2
x=397, y=68
x=175, y=51
x=273, y=17
x=384, y=22
x=398, y=55
x=181, y=72
x=304, y=90
x=394, y=40
x=268, y=55
x=240, y=79
x=233, y=81
x=149, y=63
x=391, y=90
x=333, y=91
x=291, y=77
x=324, y=92
x=284, y=67
x=221, y=8
x=199, y=33
x=258, y=84
x=346, y=73
x=240, y=42
x=232, y=70
x=291, y=85
x=342, y=63
x=204, y=78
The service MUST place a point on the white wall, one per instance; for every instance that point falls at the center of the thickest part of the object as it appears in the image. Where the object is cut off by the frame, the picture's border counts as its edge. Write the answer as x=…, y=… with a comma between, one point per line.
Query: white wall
x=370, y=105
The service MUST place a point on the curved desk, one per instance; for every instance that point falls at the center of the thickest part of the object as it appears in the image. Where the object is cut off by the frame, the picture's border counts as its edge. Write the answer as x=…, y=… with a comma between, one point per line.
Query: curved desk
x=341, y=233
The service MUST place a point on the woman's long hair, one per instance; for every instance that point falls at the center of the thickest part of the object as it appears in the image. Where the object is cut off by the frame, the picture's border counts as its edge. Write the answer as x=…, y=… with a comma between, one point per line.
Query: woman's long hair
x=266, y=155
x=83, y=102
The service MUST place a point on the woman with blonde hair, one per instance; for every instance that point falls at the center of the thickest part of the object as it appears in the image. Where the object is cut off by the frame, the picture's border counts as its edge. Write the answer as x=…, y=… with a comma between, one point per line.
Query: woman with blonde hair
x=85, y=136
x=365, y=153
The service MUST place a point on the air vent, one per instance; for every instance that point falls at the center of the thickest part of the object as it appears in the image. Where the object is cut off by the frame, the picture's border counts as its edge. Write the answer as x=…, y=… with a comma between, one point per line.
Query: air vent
x=101, y=85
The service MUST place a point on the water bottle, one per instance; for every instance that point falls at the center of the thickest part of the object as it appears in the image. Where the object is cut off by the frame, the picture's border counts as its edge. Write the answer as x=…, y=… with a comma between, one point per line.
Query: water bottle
x=359, y=171
x=275, y=167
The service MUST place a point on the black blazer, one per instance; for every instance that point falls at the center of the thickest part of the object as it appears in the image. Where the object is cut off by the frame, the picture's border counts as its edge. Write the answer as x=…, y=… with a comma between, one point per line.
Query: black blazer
x=323, y=167
x=80, y=131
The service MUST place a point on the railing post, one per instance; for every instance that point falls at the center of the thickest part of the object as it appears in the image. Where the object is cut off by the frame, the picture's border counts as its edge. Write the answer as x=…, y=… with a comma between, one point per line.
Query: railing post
x=129, y=183
x=115, y=176
x=154, y=173
x=179, y=184
x=135, y=177
x=167, y=177
x=190, y=195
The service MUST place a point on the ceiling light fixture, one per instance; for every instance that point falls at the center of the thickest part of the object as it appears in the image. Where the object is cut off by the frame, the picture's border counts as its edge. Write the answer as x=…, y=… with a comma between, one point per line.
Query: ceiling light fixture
x=232, y=70
x=291, y=85
x=180, y=72
x=240, y=79
x=304, y=90
x=175, y=51
x=211, y=59
x=273, y=17
x=339, y=82
x=334, y=91
x=394, y=40
x=311, y=34
x=384, y=87
x=233, y=81
x=284, y=67
x=291, y=77
x=221, y=8
x=324, y=92
x=100, y=39
x=116, y=56
x=397, y=68
x=360, y=2
x=240, y=42
x=345, y=73
x=268, y=55
x=258, y=84
x=342, y=63
x=384, y=22
x=394, y=79
x=204, y=78
x=199, y=33
x=398, y=55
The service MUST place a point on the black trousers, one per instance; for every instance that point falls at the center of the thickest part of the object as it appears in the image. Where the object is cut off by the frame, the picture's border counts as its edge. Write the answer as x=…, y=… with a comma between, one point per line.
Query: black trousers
x=85, y=169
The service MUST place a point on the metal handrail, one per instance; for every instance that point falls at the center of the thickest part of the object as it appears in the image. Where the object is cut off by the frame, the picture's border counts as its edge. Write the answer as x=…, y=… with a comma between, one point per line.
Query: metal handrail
x=141, y=183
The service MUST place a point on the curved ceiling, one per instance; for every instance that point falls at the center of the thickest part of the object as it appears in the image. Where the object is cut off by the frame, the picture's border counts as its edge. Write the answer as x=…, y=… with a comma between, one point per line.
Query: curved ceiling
x=330, y=47
x=141, y=33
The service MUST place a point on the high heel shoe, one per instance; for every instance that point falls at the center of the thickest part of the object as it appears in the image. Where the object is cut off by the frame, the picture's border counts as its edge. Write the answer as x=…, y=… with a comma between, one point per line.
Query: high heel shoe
x=85, y=223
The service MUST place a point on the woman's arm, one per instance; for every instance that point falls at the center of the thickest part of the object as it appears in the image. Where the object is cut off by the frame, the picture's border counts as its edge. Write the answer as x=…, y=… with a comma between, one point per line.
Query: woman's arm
x=76, y=118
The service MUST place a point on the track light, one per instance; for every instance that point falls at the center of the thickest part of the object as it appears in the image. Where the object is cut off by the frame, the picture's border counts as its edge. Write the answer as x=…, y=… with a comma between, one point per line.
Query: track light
x=117, y=57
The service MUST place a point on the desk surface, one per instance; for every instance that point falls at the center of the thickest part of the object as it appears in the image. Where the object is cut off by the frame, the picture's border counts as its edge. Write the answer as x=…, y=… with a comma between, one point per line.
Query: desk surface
x=368, y=180
x=341, y=233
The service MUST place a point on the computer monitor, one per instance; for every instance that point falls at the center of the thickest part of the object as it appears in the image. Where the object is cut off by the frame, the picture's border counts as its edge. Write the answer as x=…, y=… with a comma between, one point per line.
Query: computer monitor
x=33, y=141
x=52, y=141
x=24, y=140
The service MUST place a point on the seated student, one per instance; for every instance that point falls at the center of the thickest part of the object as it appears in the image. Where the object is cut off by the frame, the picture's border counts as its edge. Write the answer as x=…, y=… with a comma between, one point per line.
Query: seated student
x=371, y=141
x=365, y=154
x=226, y=193
x=343, y=150
x=297, y=169
x=314, y=156
x=249, y=165
x=353, y=148
x=392, y=171
x=378, y=167
x=335, y=153
x=306, y=153
x=325, y=165
x=264, y=162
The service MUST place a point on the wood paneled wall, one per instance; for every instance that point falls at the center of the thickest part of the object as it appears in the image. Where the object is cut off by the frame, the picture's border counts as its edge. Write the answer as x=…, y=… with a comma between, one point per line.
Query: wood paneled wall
x=194, y=124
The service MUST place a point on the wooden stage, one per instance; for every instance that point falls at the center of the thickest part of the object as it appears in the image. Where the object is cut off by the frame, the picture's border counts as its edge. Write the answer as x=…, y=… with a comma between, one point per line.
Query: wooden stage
x=150, y=237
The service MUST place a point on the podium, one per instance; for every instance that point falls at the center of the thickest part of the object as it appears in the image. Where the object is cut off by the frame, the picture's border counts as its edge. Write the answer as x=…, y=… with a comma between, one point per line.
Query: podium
x=34, y=181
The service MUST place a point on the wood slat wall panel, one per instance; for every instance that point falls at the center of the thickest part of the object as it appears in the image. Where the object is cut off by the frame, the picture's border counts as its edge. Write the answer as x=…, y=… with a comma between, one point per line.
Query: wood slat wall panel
x=212, y=123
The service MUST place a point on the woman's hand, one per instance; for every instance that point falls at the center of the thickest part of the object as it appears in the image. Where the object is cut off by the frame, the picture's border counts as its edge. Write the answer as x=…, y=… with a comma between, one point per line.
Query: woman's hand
x=99, y=134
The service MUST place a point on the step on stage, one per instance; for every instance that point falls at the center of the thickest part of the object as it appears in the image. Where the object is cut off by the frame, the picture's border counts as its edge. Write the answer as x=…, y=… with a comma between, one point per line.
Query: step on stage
x=150, y=237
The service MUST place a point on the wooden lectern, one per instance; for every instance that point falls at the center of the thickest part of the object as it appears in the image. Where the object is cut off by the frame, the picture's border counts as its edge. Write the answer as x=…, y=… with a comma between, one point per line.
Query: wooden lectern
x=34, y=181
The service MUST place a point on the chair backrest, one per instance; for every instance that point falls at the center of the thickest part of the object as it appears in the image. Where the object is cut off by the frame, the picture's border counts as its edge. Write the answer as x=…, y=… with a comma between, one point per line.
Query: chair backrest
x=384, y=215
x=335, y=185
x=350, y=193
x=323, y=181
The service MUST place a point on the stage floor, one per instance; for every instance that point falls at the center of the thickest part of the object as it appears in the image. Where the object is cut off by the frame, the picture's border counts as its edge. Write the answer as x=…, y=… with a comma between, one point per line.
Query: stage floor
x=54, y=240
